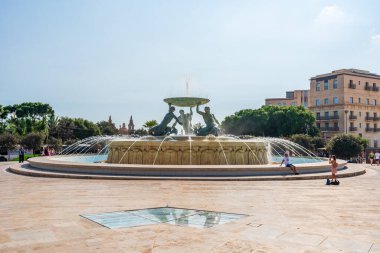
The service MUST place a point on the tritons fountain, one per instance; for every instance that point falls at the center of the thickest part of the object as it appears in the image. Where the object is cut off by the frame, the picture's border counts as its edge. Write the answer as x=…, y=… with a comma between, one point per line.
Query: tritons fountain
x=200, y=153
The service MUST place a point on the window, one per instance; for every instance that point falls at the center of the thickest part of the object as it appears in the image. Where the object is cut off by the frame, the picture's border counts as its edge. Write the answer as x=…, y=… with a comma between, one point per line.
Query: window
x=326, y=85
x=351, y=100
x=327, y=125
x=326, y=101
x=335, y=84
x=318, y=115
x=335, y=100
x=319, y=125
x=318, y=102
x=335, y=125
x=305, y=104
x=279, y=103
x=293, y=103
x=367, y=101
x=335, y=114
x=360, y=114
x=359, y=100
x=375, y=144
x=374, y=102
x=360, y=125
x=327, y=115
x=318, y=86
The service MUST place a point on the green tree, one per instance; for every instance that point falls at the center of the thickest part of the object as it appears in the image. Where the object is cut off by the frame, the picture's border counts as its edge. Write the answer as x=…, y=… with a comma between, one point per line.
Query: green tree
x=150, y=123
x=273, y=121
x=304, y=140
x=33, y=141
x=7, y=141
x=345, y=146
x=107, y=128
x=55, y=143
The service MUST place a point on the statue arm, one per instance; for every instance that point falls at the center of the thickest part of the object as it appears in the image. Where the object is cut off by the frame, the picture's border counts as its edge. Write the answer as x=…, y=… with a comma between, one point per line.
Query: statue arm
x=198, y=111
x=217, y=122
x=177, y=120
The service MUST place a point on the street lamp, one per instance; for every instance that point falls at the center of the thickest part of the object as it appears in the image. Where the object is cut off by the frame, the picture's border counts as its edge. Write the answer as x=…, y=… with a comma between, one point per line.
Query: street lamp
x=346, y=112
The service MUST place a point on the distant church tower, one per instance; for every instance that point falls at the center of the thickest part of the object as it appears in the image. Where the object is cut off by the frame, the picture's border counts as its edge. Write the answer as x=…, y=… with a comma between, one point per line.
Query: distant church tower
x=131, y=126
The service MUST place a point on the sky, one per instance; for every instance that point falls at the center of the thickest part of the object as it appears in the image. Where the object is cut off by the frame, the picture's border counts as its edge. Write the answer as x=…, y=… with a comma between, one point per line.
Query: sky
x=92, y=59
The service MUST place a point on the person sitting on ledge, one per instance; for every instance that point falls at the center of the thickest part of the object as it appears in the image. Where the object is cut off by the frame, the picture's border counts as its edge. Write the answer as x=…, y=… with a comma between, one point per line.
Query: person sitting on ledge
x=210, y=121
x=163, y=129
x=288, y=164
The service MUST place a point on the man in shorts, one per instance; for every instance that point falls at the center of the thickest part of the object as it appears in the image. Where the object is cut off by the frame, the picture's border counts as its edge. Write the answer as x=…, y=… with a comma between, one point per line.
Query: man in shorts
x=377, y=157
x=286, y=160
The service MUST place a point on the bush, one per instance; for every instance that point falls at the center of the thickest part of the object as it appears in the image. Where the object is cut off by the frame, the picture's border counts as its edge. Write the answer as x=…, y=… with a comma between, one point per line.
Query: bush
x=55, y=143
x=304, y=140
x=345, y=146
x=33, y=141
x=7, y=141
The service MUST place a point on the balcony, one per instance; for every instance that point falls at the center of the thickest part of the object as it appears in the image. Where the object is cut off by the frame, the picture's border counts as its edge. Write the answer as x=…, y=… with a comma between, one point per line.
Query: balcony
x=372, y=129
x=352, y=86
x=369, y=118
x=334, y=117
x=376, y=118
x=353, y=129
x=374, y=88
x=352, y=116
x=367, y=87
x=329, y=129
x=323, y=117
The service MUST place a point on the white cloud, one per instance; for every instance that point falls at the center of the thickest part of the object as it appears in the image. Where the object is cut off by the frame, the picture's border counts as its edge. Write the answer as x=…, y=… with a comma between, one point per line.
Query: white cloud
x=375, y=40
x=331, y=15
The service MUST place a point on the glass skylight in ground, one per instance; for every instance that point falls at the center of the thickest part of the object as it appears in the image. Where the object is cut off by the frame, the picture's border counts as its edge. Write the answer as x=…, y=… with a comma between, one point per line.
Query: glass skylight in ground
x=168, y=215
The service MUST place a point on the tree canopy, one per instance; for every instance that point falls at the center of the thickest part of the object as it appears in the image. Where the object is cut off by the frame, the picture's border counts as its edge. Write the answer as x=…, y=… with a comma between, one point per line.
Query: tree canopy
x=346, y=146
x=273, y=121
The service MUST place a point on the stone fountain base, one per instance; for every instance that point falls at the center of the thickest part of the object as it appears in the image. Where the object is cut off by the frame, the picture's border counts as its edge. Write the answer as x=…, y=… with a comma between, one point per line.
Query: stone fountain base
x=185, y=150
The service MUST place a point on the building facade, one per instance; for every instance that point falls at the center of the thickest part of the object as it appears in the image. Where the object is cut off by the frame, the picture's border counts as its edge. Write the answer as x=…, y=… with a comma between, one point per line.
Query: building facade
x=293, y=98
x=347, y=101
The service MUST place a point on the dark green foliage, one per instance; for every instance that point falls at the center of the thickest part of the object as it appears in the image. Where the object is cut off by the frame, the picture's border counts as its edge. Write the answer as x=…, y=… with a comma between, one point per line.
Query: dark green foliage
x=273, y=121
x=308, y=142
x=74, y=128
x=7, y=141
x=54, y=143
x=345, y=146
x=107, y=128
x=33, y=141
x=150, y=123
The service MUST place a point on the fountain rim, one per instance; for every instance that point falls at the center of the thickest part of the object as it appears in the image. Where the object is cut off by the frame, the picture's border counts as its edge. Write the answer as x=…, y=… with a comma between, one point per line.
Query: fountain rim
x=178, y=101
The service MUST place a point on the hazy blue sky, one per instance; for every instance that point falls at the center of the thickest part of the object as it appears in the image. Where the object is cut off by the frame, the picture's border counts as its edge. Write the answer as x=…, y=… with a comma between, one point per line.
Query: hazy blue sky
x=93, y=58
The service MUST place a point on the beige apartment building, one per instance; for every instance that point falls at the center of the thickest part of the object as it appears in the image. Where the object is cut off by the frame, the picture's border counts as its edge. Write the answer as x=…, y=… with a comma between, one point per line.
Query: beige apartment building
x=347, y=101
x=293, y=98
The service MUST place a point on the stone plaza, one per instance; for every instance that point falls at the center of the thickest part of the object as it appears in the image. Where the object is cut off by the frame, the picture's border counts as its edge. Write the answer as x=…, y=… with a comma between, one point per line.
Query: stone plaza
x=41, y=214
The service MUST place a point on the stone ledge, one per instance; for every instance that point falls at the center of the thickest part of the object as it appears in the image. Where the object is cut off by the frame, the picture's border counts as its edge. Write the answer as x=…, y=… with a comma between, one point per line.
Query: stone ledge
x=28, y=171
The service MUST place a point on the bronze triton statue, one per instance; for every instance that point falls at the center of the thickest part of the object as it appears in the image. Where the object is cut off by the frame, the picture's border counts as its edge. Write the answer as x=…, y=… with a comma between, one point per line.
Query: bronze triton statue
x=210, y=121
x=163, y=129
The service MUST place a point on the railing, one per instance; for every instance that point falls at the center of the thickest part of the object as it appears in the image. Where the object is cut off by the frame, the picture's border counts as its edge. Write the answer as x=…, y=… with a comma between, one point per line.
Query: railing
x=376, y=118
x=353, y=117
x=367, y=87
x=374, y=88
x=352, y=86
x=334, y=117
x=353, y=129
x=330, y=129
x=323, y=117
x=369, y=129
x=369, y=118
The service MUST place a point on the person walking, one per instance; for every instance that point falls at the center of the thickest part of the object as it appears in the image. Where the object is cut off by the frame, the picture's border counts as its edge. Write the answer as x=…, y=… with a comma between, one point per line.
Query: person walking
x=334, y=167
x=371, y=156
x=21, y=154
x=286, y=160
x=377, y=157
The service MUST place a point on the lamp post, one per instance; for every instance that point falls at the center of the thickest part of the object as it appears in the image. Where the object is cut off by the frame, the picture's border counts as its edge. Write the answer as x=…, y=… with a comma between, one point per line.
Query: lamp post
x=346, y=112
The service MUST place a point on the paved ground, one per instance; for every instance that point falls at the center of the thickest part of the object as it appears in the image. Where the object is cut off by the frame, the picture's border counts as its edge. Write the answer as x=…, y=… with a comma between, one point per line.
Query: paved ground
x=42, y=215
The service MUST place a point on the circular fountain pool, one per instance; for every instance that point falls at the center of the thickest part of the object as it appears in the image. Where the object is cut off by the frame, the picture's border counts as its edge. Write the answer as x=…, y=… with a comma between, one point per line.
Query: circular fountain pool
x=182, y=156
